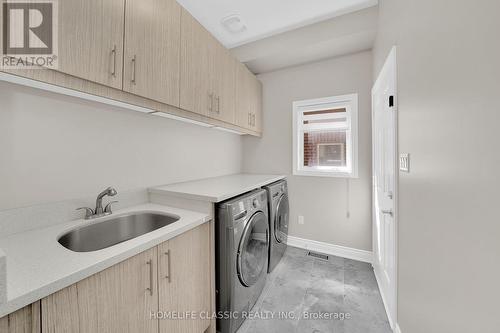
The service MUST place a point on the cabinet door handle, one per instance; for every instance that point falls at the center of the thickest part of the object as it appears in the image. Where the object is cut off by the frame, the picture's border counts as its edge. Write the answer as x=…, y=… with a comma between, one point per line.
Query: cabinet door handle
x=113, y=53
x=218, y=104
x=168, y=276
x=150, y=263
x=133, y=69
x=210, y=102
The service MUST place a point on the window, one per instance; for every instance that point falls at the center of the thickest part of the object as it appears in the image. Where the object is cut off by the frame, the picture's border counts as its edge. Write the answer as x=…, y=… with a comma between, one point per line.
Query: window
x=325, y=137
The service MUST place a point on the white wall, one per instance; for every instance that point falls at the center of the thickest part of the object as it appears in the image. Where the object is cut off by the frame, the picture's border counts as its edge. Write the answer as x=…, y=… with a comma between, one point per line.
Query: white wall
x=322, y=201
x=55, y=148
x=449, y=116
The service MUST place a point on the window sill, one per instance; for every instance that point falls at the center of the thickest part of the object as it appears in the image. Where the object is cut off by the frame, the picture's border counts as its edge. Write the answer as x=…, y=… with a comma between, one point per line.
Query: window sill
x=325, y=174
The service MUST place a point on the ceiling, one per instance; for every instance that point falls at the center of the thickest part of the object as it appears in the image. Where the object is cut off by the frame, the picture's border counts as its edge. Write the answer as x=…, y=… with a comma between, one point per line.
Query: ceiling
x=264, y=18
x=342, y=35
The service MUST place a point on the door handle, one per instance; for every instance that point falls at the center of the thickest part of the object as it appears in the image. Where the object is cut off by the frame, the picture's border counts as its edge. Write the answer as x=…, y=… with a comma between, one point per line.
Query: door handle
x=113, y=70
x=150, y=263
x=240, y=215
x=387, y=212
x=133, y=69
x=217, y=99
x=210, y=102
x=168, y=277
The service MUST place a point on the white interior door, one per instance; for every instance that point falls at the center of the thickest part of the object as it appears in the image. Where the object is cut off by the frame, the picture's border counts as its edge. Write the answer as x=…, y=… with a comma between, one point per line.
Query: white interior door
x=384, y=115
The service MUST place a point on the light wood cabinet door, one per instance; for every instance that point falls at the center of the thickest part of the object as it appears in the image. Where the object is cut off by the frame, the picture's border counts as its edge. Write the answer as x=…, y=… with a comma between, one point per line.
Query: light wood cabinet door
x=25, y=320
x=90, y=40
x=243, y=105
x=197, y=67
x=224, y=80
x=248, y=100
x=256, y=104
x=118, y=299
x=184, y=280
x=152, y=42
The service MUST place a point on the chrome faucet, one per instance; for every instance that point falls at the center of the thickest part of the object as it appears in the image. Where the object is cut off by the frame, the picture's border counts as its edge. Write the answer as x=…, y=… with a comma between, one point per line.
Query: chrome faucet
x=99, y=211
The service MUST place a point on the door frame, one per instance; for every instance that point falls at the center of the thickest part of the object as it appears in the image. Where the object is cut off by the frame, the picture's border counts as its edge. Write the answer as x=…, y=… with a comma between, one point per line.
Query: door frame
x=391, y=61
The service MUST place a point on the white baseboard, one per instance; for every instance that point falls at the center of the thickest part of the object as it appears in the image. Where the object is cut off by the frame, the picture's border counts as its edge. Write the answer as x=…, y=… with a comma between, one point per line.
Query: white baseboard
x=397, y=329
x=335, y=250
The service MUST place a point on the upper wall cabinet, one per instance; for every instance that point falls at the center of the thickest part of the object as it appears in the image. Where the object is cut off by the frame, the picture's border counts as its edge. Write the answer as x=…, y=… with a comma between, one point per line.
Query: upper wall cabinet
x=152, y=42
x=248, y=100
x=207, y=73
x=91, y=40
x=257, y=104
x=224, y=80
x=197, y=54
x=152, y=54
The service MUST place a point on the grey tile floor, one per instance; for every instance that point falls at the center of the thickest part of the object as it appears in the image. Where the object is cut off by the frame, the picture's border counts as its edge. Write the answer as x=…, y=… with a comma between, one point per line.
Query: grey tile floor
x=302, y=285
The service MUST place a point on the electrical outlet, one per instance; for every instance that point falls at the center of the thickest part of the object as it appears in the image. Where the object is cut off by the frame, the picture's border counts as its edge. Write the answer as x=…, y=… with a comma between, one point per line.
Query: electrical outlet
x=301, y=219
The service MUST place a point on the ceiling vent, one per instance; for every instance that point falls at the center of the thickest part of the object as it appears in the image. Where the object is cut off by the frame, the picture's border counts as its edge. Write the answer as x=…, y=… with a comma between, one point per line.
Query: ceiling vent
x=233, y=24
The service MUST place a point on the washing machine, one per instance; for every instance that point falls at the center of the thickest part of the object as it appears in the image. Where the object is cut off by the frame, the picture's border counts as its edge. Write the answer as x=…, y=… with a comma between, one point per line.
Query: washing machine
x=242, y=246
x=277, y=196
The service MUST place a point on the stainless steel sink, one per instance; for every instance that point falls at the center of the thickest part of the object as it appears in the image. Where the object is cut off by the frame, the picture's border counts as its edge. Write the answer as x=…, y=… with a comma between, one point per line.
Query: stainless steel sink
x=111, y=232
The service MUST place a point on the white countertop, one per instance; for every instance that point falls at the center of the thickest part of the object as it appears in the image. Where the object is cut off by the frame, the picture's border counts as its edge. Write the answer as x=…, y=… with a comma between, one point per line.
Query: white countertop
x=38, y=265
x=218, y=188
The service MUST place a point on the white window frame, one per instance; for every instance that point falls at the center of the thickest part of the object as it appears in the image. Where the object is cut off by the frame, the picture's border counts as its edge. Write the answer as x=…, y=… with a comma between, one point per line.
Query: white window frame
x=350, y=103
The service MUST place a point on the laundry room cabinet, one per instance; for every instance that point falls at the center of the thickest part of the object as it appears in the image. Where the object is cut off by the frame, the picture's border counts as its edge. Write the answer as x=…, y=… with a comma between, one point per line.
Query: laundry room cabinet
x=151, y=54
x=25, y=320
x=173, y=277
x=208, y=73
x=183, y=280
x=224, y=80
x=248, y=100
x=111, y=42
x=197, y=55
x=90, y=40
x=118, y=299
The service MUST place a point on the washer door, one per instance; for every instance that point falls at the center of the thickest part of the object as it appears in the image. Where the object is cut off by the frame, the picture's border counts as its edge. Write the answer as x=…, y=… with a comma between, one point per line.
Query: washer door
x=253, y=250
x=281, y=219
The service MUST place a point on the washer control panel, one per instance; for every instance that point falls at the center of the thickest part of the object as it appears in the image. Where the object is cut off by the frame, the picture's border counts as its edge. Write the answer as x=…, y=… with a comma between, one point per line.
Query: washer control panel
x=245, y=207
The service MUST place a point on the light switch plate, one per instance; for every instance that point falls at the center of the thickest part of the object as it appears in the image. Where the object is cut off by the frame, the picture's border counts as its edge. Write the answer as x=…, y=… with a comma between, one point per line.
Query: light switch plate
x=404, y=162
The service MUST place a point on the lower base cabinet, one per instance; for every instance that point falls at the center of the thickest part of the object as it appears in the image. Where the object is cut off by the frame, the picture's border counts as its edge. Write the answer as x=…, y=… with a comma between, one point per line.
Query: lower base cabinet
x=25, y=320
x=184, y=282
x=149, y=293
x=118, y=299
